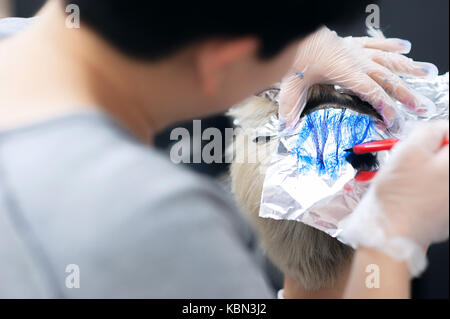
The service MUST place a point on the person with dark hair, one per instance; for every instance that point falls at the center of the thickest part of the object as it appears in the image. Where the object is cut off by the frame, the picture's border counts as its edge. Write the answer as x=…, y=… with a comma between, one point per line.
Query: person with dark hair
x=85, y=203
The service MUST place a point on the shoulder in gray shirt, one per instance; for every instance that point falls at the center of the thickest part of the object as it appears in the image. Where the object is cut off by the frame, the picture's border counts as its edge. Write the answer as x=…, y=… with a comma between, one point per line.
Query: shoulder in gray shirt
x=79, y=191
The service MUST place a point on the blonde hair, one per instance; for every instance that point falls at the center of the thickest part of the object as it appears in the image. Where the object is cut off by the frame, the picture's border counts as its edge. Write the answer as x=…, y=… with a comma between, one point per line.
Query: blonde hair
x=309, y=256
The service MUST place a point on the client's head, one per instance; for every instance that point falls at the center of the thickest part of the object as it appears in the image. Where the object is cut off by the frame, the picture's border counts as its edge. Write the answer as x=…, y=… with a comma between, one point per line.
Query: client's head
x=309, y=257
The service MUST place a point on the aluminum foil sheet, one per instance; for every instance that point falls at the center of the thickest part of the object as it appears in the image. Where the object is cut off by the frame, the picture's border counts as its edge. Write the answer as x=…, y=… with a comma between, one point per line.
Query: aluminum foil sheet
x=298, y=187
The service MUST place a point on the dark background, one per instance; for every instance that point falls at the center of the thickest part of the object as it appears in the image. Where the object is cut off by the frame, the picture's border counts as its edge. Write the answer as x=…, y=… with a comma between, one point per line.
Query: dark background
x=426, y=24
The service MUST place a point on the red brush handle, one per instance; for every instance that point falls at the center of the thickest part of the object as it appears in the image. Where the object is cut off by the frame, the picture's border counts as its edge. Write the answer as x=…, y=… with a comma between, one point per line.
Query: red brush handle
x=376, y=146
x=383, y=145
x=364, y=176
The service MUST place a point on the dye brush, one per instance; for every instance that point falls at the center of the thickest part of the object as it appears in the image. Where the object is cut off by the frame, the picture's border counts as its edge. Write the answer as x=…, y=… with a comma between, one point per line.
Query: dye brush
x=372, y=147
x=377, y=146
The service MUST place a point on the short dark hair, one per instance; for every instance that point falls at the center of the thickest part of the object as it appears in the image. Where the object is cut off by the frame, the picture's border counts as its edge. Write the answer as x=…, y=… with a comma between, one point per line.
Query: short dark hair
x=154, y=29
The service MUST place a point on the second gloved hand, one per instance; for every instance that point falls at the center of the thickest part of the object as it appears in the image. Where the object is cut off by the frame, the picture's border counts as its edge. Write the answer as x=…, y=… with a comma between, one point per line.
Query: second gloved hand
x=368, y=67
x=407, y=205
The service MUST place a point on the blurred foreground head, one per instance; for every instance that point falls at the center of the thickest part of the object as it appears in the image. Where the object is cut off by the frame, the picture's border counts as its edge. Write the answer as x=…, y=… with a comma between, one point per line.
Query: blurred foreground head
x=153, y=64
x=223, y=52
x=152, y=30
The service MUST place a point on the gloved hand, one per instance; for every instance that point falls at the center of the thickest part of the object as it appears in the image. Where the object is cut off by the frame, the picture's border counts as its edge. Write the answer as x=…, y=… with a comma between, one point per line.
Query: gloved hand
x=407, y=205
x=369, y=67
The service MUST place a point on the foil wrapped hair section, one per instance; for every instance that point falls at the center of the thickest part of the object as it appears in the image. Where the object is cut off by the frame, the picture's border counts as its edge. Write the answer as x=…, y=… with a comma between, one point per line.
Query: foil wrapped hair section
x=307, y=182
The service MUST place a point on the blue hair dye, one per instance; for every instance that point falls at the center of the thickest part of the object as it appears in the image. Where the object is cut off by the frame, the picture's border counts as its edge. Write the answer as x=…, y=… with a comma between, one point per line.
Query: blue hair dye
x=325, y=135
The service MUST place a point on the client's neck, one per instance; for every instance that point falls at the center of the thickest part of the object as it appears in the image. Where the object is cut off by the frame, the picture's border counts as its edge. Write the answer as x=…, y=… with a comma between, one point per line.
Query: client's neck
x=293, y=290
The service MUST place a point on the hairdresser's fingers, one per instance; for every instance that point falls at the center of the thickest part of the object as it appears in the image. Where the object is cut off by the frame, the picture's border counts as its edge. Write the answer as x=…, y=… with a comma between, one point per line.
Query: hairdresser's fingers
x=292, y=97
x=442, y=159
x=403, y=65
x=370, y=91
x=446, y=133
x=388, y=45
x=428, y=136
x=443, y=154
x=398, y=89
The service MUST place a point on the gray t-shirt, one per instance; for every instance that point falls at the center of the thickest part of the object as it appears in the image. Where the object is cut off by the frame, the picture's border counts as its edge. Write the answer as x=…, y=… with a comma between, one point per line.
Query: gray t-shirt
x=79, y=190
x=78, y=194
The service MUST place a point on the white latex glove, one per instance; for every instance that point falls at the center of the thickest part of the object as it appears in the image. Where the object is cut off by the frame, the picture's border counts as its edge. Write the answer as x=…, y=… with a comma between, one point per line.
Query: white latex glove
x=406, y=208
x=368, y=67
